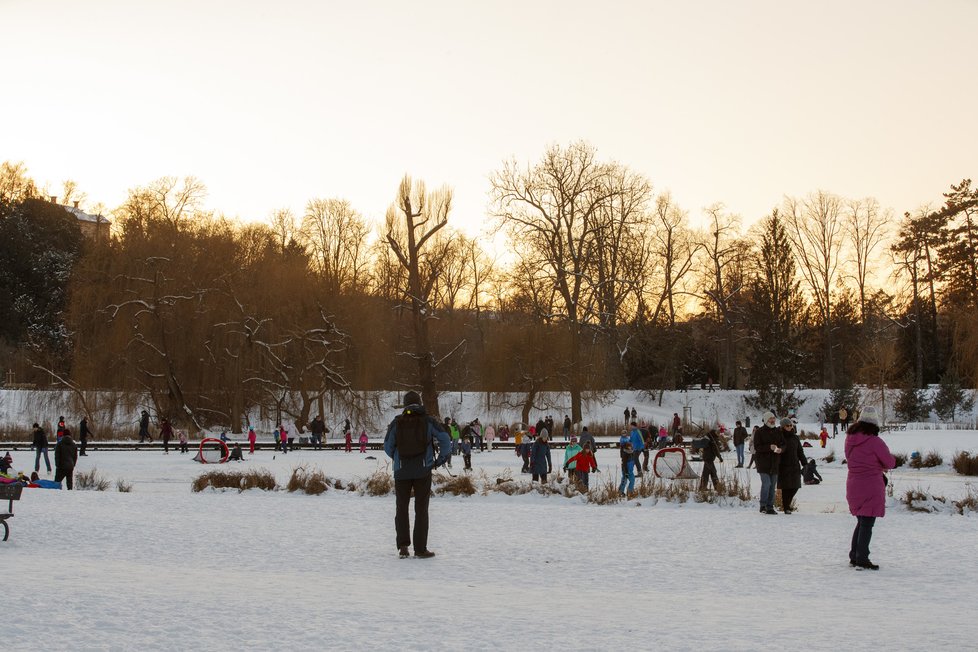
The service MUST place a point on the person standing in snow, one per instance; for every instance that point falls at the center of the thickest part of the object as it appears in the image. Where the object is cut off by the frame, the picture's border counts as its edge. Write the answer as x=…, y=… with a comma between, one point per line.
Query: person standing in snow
x=467, y=453
x=573, y=448
x=40, y=444
x=252, y=438
x=348, y=439
x=182, y=437
x=317, y=430
x=739, y=438
x=823, y=436
x=638, y=445
x=144, y=427
x=541, y=463
x=83, y=433
x=676, y=423
x=710, y=453
x=586, y=438
x=363, y=441
x=490, y=436
x=789, y=468
x=567, y=427
x=868, y=459
x=166, y=432
x=768, y=442
x=627, y=468
x=412, y=440
x=65, y=457
x=628, y=416
x=584, y=463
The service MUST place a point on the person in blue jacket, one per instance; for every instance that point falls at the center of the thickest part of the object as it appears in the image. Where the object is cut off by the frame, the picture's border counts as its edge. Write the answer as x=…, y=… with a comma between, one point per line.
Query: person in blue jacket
x=411, y=440
x=638, y=445
x=627, y=468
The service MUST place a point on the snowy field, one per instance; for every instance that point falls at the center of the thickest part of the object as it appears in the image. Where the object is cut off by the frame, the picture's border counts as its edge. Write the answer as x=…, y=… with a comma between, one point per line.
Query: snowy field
x=162, y=568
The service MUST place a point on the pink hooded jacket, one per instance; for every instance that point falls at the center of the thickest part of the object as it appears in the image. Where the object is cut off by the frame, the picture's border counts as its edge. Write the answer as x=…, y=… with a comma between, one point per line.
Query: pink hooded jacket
x=867, y=457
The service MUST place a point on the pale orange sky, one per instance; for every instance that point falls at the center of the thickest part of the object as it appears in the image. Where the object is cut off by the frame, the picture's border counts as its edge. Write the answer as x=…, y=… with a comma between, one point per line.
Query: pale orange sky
x=271, y=104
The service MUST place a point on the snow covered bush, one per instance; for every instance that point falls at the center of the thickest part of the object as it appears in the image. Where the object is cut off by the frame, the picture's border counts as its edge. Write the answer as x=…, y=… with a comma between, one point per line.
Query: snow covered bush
x=917, y=500
x=459, y=485
x=251, y=479
x=124, y=486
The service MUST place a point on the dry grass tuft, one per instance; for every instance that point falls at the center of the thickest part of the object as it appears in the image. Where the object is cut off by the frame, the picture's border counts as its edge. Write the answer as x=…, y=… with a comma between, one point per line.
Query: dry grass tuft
x=124, y=486
x=250, y=479
x=828, y=459
x=928, y=461
x=312, y=482
x=969, y=503
x=379, y=483
x=91, y=481
x=964, y=463
x=901, y=459
x=460, y=485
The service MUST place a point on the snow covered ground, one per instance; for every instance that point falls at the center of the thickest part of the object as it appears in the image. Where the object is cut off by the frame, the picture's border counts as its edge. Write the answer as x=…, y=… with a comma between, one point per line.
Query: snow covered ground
x=162, y=568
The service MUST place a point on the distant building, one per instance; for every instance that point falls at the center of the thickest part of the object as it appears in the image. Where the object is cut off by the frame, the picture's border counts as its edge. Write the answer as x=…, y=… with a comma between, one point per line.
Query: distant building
x=94, y=227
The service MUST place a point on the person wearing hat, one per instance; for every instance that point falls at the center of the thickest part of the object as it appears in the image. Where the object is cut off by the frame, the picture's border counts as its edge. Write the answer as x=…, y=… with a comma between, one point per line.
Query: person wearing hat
x=868, y=459
x=541, y=463
x=768, y=441
x=573, y=448
x=411, y=442
x=791, y=463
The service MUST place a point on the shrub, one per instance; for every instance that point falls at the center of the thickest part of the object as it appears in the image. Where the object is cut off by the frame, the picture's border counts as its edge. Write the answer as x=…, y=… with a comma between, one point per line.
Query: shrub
x=309, y=482
x=124, y=486
x=460, y=485
x=380, y=483
x=930, y=460
x=969, y=503
x=965, y=463
x=251, y=479
x=918, y=500
x=901, y=459
x=828, y=459
x=91, y=481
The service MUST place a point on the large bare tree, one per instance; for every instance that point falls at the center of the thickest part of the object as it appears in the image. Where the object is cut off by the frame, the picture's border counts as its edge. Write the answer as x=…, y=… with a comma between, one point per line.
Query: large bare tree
x=815, y=227
x=865, y=226
x=414, y=218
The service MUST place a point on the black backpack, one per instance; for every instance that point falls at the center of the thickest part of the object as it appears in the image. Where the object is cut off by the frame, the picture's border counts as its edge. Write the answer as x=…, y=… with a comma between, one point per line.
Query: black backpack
x=411, y=434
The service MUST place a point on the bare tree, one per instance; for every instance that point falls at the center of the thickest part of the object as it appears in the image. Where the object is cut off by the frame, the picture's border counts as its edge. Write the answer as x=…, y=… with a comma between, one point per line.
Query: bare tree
x=815, y=225
x=674, y=251
x=865, y=226
x=414, y=218
x=551, y=212
x=284, y=227
x=335, y=235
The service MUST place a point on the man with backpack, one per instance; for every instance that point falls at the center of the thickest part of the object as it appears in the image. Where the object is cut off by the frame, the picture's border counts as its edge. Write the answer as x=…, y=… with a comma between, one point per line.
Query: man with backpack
x=411, y=440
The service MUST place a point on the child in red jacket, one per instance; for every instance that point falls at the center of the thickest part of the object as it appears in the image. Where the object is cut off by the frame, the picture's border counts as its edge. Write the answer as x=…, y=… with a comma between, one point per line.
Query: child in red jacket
x=585, y=463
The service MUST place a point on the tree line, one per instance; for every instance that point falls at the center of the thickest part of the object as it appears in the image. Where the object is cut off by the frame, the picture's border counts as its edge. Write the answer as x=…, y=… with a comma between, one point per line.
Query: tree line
x=604, y=283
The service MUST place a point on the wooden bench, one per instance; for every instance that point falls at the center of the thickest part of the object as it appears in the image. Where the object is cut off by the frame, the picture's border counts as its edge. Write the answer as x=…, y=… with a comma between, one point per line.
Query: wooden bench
x=10, y=493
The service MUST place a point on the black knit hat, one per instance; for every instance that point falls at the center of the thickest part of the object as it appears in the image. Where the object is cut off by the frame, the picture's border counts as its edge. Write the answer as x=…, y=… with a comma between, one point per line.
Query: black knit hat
x=412, y=398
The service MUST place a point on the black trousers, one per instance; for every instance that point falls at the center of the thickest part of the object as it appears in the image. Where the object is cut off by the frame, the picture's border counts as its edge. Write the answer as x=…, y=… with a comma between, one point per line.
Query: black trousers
x=65, y=474
x=787, y=497
x=709, y=473
x=861, y=537
x=84, y=445
x=421, y=487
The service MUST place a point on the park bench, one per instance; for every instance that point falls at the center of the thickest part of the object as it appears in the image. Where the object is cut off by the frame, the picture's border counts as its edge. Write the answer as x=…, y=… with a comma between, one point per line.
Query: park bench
x=10, y=493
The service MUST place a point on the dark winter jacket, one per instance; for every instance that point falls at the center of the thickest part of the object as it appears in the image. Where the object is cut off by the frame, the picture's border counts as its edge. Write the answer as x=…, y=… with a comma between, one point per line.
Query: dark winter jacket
x=711, y=451
x=317, y=427
x=792, y=461
x=40, y=441
x=65, y=453
x=739, y=435
x=420, y=465
x=810, y=474
x=540, y=460
x=585, y=438
x=83, y=430
x=767, y=461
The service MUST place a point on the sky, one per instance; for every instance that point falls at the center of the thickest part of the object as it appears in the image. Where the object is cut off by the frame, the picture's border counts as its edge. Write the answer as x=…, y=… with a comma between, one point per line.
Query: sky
x=274, y=104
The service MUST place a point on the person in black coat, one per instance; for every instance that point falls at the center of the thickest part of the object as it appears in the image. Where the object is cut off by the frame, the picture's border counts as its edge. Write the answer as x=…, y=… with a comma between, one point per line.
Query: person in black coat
x=739, y=439
x=810, y=474
x=83, y=433
x=790, y=465
x=39, y=443
x=768, y=442
x=540, y=461
x=65, y=457
x=710, y=450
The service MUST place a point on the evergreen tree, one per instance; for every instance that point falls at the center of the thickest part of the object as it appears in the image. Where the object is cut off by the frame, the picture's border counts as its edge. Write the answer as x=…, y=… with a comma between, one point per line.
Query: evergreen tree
x=775, y=311
x=911, y=404
x=951, y=397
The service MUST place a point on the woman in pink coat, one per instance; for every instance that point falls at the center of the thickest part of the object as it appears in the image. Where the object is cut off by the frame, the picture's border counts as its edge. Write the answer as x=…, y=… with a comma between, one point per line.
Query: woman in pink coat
x=868, y=458
x=363, y=441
